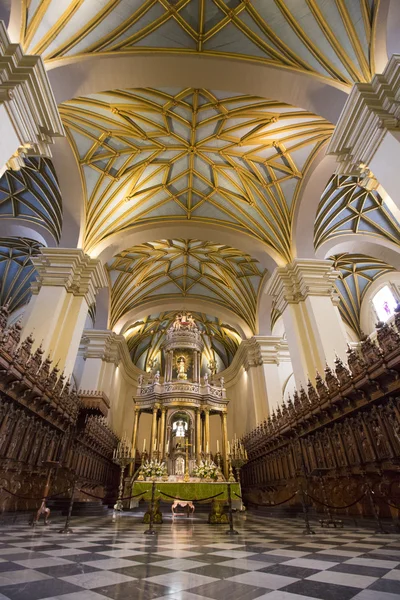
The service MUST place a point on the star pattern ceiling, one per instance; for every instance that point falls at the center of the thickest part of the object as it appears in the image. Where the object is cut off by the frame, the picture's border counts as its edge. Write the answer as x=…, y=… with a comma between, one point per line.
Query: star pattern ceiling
x=346, y=207
x=334, y=38
x=33, y=195
x=357, y=273
x=148, y=155
x=145, y=338
x=16, y=270
x=185, y=268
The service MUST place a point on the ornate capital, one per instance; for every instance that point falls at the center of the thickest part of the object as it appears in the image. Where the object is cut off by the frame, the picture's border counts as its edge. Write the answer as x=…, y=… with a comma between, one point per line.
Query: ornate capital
x=26, y=94
x=302, y=278
x=69, y=268
x=370, y=110
x=105, y=345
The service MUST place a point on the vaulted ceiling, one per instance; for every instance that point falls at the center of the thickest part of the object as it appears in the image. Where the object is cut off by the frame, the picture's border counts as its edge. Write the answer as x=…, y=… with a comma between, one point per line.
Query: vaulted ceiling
x=16, y=270
x=214, y=158
x=174, y=155
x=358, y=272
x=32, y=195
x=347, y=207
x=331, y=38
x=146, y=336
x=182, y=269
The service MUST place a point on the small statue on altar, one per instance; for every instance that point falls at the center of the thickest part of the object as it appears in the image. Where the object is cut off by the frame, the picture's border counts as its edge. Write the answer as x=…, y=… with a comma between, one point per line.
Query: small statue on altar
x=157, y=377
x=140, y=380
x=222, y=381
x=206, y=379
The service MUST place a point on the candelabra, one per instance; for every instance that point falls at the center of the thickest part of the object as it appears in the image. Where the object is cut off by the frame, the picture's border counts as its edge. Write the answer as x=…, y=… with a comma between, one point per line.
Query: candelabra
x=220, y=477
x=122, y=457
x=237, y=459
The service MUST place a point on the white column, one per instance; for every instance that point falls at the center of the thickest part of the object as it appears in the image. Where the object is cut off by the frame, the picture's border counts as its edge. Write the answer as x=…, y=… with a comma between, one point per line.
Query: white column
x=29, y=118
x=262, y=356
x=304, y=294
x=67, y=283
x=366, y=140
x=101, y=353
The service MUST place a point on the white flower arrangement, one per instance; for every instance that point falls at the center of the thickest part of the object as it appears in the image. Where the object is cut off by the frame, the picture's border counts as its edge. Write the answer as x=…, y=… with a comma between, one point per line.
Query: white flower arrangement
x=206, y=469
x=154, y=468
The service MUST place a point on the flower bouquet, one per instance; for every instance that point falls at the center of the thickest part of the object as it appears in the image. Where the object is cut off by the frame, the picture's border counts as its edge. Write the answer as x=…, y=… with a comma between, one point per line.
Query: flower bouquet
x=207, y=469
x=154, y=468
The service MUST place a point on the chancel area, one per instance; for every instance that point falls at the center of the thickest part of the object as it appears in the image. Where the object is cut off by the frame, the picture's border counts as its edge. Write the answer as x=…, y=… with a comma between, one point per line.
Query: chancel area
x=199, y=299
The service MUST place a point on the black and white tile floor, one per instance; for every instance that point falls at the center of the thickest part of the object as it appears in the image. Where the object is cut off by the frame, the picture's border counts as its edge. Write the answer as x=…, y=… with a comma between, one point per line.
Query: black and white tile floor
x=189, y=560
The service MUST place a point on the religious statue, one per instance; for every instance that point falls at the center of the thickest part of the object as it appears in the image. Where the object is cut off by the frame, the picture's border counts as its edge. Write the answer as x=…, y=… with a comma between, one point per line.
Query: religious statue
x=181, y=367
x=184, y=321
x=140, y=380
x=206, y=379
x=222, y=381
x=157, y=377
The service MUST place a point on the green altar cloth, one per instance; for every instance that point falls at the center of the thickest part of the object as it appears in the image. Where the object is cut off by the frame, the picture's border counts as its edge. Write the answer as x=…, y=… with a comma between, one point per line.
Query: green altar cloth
x=214, y=493
x=195, y=491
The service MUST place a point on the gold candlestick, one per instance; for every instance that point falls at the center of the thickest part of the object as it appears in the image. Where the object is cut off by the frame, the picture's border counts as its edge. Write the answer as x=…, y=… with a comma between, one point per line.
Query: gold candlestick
x=187, y=477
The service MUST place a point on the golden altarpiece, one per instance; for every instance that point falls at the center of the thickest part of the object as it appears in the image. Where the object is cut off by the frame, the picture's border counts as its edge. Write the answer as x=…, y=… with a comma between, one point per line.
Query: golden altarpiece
x=181, y=403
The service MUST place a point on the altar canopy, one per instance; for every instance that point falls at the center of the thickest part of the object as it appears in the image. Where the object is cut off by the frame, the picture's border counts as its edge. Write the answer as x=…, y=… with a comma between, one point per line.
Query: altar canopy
x=181, y=400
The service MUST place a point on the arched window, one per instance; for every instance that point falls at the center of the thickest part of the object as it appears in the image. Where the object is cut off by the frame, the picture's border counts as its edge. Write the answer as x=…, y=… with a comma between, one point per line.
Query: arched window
x=384, y=303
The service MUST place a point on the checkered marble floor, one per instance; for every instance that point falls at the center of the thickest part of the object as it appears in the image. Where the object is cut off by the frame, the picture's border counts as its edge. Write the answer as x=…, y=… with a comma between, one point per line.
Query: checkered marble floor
x=270, y=559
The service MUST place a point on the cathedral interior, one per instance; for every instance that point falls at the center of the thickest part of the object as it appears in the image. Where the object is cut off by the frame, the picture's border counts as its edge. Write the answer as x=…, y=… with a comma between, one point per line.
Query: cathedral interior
x=199, y=299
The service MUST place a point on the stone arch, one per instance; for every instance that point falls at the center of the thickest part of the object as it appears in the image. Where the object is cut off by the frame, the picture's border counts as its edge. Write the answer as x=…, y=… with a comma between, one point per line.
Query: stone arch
x=93, y=73
x=193, y=304
x=314, y=183
x=356, y=243
x=140, y=234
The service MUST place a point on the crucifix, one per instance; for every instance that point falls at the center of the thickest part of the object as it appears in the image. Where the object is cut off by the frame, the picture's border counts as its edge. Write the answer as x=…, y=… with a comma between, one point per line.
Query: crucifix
x=186, y=477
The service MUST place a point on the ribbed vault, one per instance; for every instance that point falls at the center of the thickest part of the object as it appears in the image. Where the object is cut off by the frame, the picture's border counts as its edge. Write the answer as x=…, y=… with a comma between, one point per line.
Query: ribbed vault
x=145, y=338
x=332, y=39
x=16, y=270
x=175, y=155
x=358, y=272
x=32, y=195
x=347, y=207
x=185, y=268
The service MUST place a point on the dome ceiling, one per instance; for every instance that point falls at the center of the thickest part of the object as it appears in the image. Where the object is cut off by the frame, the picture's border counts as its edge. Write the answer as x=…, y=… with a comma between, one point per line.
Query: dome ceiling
x=333, y=39
x=145, y=338
x=16, y=270
x=185, y=268
x=346, y=207
x=148, y=155
x=32, y=194
x=357, y=273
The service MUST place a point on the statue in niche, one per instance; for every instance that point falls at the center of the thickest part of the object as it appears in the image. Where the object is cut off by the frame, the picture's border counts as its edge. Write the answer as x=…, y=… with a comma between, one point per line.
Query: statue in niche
x=181, y=367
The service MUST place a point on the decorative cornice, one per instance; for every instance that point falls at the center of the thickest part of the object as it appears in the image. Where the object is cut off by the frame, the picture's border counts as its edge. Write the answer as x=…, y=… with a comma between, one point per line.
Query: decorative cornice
x=302, y=278
x=105, y=345
x=255, y=352
x=69, y=268
x=371, y=109
x=27, y=96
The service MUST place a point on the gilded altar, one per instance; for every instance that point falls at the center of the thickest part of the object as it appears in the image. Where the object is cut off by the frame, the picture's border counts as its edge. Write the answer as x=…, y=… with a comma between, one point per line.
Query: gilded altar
x=181, y=401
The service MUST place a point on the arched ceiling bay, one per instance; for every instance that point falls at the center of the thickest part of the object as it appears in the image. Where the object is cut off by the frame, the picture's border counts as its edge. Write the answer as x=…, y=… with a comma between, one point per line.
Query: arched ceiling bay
x=32, y=195
x=16, y=270
x=330, y=38
x=357, y=274
x=145, y=338
x=147, y=155
x=182, y=269
x=347, y=207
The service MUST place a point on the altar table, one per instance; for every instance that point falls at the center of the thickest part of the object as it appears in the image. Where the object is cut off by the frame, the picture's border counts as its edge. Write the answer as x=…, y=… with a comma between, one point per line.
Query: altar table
x=214, y=493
